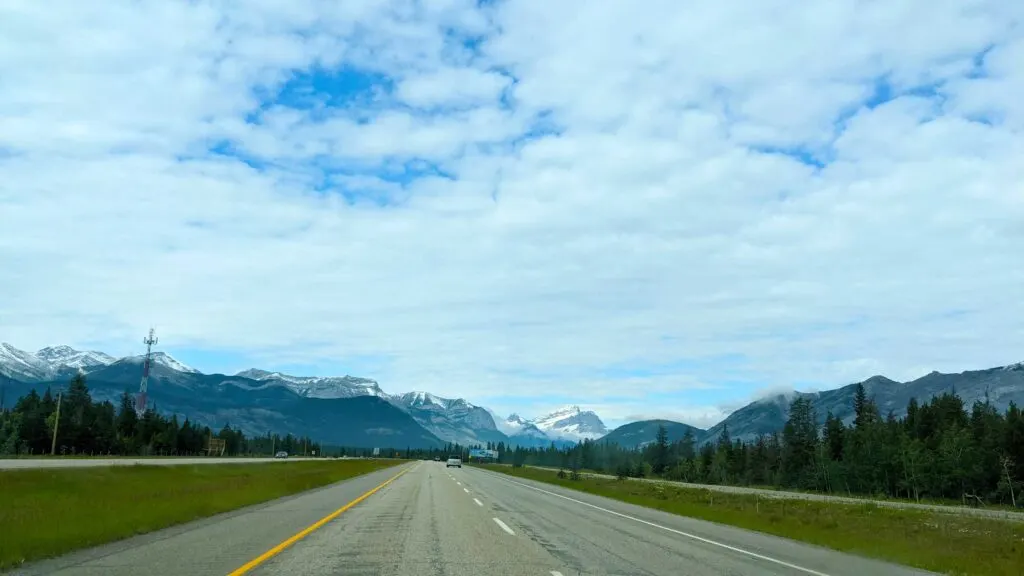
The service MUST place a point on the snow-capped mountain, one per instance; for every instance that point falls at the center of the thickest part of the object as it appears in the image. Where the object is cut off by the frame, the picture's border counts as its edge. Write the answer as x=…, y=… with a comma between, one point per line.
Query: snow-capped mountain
x=571, y=423
x=47, y=363
x=68, y=356
x=318, y=386
x=424, y=400
x=452, y=420
x=516, y=425
x=56, y=362
x=566, y=426
x=516, y=421
x=162, y=359
x=22, y=365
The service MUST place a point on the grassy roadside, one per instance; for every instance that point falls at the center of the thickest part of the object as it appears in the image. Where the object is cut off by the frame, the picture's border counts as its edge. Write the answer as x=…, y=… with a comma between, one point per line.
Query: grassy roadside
x=786, y=492
x=47, y=512
x=928, y=540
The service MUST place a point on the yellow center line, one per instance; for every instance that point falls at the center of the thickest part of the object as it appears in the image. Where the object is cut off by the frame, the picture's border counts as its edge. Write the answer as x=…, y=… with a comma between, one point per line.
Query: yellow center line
x=307, y=531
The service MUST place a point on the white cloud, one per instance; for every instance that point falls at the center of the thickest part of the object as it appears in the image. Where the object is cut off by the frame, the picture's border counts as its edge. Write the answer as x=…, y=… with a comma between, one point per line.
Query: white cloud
x=451, y=86
x=704, y=417
x=647, y=231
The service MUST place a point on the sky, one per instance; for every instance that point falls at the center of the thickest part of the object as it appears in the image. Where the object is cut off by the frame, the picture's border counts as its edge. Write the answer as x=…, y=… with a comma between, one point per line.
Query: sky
x=646, y=208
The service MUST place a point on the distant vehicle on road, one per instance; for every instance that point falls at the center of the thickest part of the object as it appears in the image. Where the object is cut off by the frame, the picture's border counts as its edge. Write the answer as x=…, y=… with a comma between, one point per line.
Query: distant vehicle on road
x=281, y=454
x=437, y=458
x=453, y=461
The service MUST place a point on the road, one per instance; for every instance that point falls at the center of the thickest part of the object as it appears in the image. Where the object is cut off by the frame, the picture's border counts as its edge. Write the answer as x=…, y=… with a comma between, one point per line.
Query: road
x=430, y=520
x=29, y=463
x=782, y=494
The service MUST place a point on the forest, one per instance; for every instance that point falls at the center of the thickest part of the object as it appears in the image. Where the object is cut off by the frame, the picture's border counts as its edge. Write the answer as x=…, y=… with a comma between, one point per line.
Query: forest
x=87, y=427
x=940, y=450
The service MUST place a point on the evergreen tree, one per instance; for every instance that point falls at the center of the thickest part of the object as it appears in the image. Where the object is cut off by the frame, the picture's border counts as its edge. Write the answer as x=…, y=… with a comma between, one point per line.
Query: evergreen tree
x=75, y=427
x=661, y=451
x=800, y=438
x=834, y=437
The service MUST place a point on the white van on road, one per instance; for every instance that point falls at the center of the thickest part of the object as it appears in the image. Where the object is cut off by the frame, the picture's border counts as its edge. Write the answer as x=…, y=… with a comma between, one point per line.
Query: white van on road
x=453, y=461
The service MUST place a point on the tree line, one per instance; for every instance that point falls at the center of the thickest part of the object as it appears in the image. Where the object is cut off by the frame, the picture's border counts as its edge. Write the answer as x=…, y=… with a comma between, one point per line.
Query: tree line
x=88, y=427
x=939, y=450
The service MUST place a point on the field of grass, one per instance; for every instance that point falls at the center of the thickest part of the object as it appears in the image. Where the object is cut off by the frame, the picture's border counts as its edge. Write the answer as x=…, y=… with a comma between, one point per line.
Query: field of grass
x=48, y=512
x=782, y=492
x=933, y=541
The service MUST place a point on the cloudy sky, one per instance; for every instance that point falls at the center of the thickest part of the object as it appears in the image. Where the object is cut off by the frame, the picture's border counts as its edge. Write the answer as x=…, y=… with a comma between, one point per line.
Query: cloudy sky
x=657, y=208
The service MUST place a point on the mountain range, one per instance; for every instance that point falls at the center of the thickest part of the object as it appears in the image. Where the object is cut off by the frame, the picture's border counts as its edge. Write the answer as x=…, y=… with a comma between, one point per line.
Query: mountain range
x=356, y=411
x=331, y=409
x=1000, y=386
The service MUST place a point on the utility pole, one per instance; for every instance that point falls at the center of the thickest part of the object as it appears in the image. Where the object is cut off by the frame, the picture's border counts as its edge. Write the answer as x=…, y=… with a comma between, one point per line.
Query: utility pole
x=273, y=444
x=305, y=444
x=56, y=422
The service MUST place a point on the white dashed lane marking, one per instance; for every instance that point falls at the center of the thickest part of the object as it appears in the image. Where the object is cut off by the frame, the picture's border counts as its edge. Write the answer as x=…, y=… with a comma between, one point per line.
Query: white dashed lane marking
x=504, y=526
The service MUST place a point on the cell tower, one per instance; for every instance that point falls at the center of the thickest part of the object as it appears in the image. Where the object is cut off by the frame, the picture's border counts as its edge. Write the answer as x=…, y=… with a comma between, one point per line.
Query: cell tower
x=140, y=400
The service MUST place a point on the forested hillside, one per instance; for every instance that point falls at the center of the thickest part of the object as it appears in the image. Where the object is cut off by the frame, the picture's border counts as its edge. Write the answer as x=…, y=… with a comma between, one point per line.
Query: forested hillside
x=88, y=427
x=941, y=449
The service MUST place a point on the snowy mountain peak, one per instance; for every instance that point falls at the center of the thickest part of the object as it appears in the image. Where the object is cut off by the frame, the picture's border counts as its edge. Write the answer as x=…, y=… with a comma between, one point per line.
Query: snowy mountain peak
x=162, y=359
x=165, y=359
x=423, y=398
x=571, y=423
x=10, y=353
x=427, y=400
x=68, y=356
x=1012, y=367
x=56, y=352
x=452, y=420
x=22, y=365
x=514, y=418
x=326, y=387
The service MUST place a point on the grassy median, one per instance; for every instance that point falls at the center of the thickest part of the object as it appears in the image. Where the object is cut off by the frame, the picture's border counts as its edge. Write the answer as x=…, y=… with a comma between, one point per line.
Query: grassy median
x=47, y=512
x=944, y=543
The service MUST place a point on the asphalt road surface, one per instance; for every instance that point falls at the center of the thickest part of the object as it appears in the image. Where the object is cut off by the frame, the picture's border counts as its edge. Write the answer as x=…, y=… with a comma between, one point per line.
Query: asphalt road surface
x=27, y=463
x=432, y=520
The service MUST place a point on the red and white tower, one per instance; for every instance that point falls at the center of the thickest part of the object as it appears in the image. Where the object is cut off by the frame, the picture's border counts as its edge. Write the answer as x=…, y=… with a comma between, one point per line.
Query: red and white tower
x=140, y=400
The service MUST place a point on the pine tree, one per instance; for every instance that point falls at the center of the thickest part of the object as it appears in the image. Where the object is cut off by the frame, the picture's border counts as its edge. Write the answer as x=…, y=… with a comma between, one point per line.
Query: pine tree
x=661, y=454
x=834, y=437
x=800, y=437
x=75, y=427
x=127, y=425
x=861, y=408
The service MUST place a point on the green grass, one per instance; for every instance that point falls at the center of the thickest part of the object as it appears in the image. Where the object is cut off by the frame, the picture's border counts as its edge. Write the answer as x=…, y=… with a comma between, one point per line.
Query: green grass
x=876, y=498
x=48, y=512
x=944, y=543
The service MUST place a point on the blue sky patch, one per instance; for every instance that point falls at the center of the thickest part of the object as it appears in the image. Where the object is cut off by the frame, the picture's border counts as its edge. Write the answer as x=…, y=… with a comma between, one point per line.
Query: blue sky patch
x=319, y=91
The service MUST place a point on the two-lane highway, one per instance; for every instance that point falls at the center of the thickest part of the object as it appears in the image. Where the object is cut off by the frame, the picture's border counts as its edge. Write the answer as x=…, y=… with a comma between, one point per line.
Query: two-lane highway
x=451, y=521
x=433, y=520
